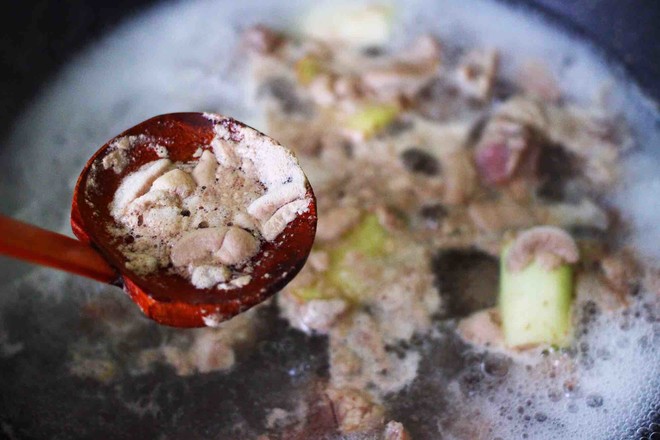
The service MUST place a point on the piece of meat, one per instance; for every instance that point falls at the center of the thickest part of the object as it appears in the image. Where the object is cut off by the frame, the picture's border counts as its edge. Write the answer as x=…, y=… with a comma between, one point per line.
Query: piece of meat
x=526, y=111
x=136, y=184
x=390, y=218
x=211, y=352
x=343, y=90
x=175, y=181
x=322, y=89
x=406, y=74
x=569, y=215
x=548, y=245
x=482, y=329
x=395, y=431
x=460, y=177
x=499, y=215
x=334, y=223
x=282, y=217
x=265, y=206
x=319, y=314
x=622, y=273
x=237, y=247
x=354, y=410
x=204, y=171
x=476, y=73
x=505, y=150
x=593, y=286
x=262, y=39
x=197, y=246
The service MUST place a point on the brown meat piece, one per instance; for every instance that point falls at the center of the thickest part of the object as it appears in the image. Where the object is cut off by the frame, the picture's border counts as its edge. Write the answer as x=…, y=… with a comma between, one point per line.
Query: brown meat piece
x=262, y=39
x=460, y=177
x=506, y=150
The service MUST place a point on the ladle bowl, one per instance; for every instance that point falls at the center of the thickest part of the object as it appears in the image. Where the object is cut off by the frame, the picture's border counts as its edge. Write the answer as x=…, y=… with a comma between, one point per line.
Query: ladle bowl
x=163, y=296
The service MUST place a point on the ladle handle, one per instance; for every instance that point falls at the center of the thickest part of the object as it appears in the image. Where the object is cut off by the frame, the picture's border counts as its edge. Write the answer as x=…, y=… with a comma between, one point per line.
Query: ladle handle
x=35, y=245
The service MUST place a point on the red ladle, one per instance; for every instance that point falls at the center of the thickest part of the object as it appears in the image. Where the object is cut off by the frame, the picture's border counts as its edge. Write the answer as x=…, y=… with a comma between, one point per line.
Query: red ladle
x=164, y=297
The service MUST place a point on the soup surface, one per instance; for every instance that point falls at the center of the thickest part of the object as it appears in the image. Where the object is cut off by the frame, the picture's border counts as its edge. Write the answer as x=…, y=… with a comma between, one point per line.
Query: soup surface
x=434, y=136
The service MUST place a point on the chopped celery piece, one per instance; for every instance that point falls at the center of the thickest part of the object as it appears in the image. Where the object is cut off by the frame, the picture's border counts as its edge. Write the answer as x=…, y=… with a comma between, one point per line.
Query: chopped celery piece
x=367, y=241
x=368, y=237
x=308, y=293
x=535, y=304
x=307, y=68
x=372, y=119
x=349, y=284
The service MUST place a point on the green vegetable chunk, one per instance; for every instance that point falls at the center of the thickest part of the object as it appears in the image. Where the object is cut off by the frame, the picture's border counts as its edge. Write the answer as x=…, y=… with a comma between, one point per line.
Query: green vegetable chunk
x=361, y=247
x=535, y=303
x=372, y=119
x=356, y=253
x=368, y=237
x=307, y=68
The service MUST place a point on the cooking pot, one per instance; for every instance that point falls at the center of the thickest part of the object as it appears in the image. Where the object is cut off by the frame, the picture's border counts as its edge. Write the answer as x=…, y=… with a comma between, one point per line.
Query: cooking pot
x=40, y=398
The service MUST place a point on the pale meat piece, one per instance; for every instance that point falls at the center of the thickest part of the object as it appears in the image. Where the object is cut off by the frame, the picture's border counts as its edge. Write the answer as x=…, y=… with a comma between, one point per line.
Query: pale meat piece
x=136, y=184
x=395, y=431
x=204, y=171
x=566, y=215
x=498, y=216
x=282, y=217
x=482, y=329
x=594, y=287
x=237, y=247
x=176, y=181
x=208, y=349
x=335, y=222
x=317, y=315
x=405, y=74
x=476, y=73
x=621, y=271
x=550, y=246
x=156, y=211
x=460, y=177
x=197, y=246
x=265, y=206
x=354, y=410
